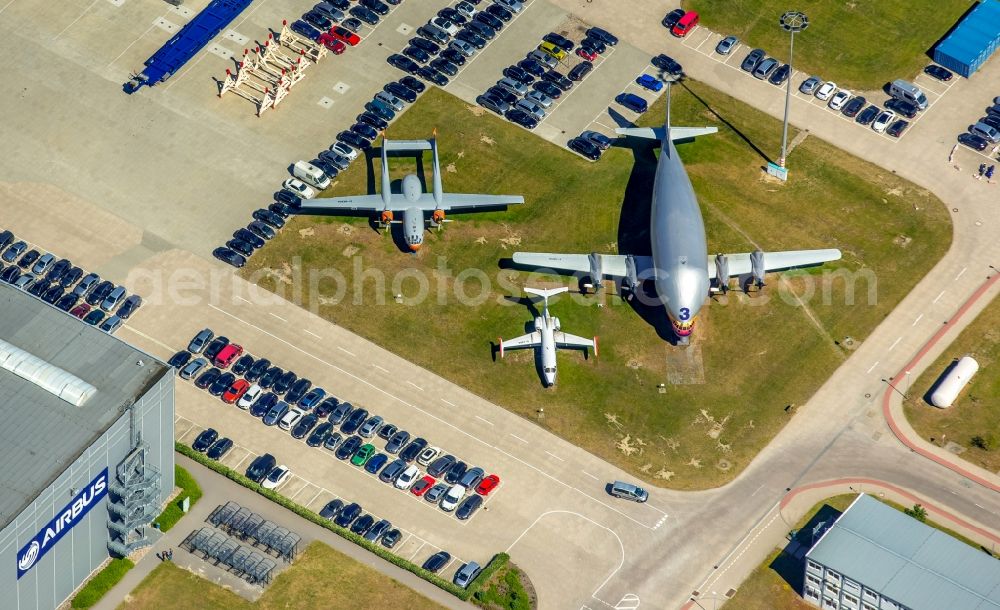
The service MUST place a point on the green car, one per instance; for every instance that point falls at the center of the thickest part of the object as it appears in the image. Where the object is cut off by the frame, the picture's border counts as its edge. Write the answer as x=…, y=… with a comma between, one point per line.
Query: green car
x=363, y=454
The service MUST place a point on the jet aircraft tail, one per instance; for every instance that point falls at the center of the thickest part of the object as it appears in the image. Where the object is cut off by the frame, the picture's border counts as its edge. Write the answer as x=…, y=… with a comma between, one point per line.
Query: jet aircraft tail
x=663, y=133
x=546, y=293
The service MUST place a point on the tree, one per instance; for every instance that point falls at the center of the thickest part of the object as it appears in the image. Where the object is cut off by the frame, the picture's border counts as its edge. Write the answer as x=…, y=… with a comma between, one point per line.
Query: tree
x=918, y=512
x=982, y=442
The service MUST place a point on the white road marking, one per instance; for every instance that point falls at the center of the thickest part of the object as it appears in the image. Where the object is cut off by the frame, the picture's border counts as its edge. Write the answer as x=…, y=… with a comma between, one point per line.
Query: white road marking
x=872, y=367
x=938, y=297
x=145, y=336
x=960, y=273
x=485, y=420
x=313, y=334
x=276, y=316
x=72, y=23
x=415, y=385
x=920, y=317
x=555, y=456
x=148, y=30
x=380, y=368
x=346, y=352
x=590, y=475
x=246, y=300
x=448, y=402
x=895, y=343
x=518, y=438
x=422, y=544
x=746, y=543
x=6, y=5
x=980, y=506
x=309, y=503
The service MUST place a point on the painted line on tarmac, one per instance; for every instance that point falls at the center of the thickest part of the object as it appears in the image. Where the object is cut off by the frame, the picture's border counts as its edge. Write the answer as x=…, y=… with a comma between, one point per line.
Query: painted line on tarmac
x=380, y=368
x=960, y=273
x=518, y=438
x=277, y=316
x=590, y=475
x=920, y=317
x=485, y=420
x=938, y=297
x=448, y=402
x=746, y=543
x=313, y=334
x=351, y=354
x=415, y=385
x=555, y=456
x=244, y=300
x=895, y=343
x=147, y=337
x=872, y=367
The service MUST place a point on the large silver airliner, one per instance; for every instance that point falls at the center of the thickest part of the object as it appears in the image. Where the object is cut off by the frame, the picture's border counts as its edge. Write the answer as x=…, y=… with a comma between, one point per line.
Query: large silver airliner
x=679, y=266
x=416, y=203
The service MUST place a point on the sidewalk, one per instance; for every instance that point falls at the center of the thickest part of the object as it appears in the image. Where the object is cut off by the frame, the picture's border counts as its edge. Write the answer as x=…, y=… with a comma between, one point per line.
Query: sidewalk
x=218, y=490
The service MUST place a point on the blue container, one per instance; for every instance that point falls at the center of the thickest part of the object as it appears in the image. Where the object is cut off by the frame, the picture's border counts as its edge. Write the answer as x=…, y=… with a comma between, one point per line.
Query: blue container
x=972, y=41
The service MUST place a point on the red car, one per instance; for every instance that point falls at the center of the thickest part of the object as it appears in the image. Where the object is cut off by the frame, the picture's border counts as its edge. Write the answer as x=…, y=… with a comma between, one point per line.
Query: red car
x=420, y=487
x=235, y=391
x=584, y=53
x=227, y=354
x=80, y=310
x=345, y=35
x=487, y=485
x=331, y=43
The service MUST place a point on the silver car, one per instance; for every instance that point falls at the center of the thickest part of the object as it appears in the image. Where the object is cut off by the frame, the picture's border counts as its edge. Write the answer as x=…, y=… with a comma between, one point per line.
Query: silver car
x=543, y=58
x=394, y=102
x=515, y=87
x=111, y=324
x=331, y=12
x=200, y=341
x=539, y=98
x=531, y=108
x=191, y=369
x=726, y=45
x=43, y=263
x=463, y=47
x=810, y=85
x=367, y=429
x=628, y=491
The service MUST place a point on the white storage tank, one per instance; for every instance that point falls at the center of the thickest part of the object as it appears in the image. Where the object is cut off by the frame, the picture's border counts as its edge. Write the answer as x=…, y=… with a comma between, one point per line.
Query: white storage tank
x=954, y=382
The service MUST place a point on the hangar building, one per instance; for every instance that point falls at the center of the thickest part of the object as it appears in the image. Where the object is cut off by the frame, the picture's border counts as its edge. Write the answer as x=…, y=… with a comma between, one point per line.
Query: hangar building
x=86, y=443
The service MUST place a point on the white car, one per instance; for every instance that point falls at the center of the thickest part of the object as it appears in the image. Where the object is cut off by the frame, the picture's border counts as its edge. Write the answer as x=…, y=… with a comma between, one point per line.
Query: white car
x=446, y=25
x=451, y=499
x=826, y=90
x=249, y=396
x=539, y=98
x=839, y=99
x=289, y=419
x=298, y=187
x=427, y=455
x=276, y=477
x=344, y=150
x=884, y=119
x=466, y=8
x=408, y=477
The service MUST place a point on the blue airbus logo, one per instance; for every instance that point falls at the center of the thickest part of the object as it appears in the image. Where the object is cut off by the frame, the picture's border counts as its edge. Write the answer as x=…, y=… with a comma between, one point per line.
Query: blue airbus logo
x=63, y=522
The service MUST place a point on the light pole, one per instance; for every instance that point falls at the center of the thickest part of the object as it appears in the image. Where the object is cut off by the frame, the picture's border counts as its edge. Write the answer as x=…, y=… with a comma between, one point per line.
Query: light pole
x=792, y=22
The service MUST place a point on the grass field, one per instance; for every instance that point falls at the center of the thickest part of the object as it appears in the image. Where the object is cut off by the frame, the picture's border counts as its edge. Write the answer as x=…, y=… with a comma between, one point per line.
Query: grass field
x=320, y=578
x=860, y=44
x=174, y=511
x=726, y=394
x=976, y=413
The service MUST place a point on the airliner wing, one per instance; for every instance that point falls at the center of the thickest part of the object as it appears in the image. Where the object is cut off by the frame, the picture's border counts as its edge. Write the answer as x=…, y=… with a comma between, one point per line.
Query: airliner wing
x=572, y=341
x=611, y=265
x=356, y=203
x=466, y=202
x=740, y=264
x=533, y=339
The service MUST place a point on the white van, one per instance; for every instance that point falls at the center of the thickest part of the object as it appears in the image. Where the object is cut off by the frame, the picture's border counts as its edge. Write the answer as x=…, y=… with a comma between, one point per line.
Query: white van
x=908, y=92
x=310, y=174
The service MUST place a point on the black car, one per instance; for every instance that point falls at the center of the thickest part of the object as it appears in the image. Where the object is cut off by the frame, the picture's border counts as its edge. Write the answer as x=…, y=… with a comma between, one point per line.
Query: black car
x=296, y=391
x=432, y=75
x=214, y=347
x=242, y=365
x=437, y=561
x=326, y=407
x=454, y=57
x=58, y=269
x=10, y=274
x=472, y=38
x=372, y=119
x=469, y=506
x=403, y=63
x=854, y=106
x=129, y=306
x=261, y=230
x=269, y=217
x=532, y=67
x=28, y=259
x=868, y=115
x=288, y=197
x=376, y=531
x=593, y=45
x=248, y=236
x=364, y=14
x=319, y=434
x=284, y=382
x=440, y=465
x=397, y=441
x=452, y=15
x=418, y=55
x=580, y=70
x=673, y=17
x=220, y=448
x=351, y=23
x=779, y=76
x=902, y=107
x=412, y=450
x=386, y=431
x=6, y=238
x=603, y=35
x=522, y=118
x=481, y=29
x=100, y=293
x=503, y=93
x=548, y=89
x=752, y=59
x=329, y=169
x=67, y=302
x=897, y=128
x=348, y=447
x=991, y=119
x=365, y=131
x=491, y=22
x=428, y=46
x=263, y=404
x=668, y=64
x=456, y=472
x=332, y=509
x=938, y=72
x=179, y=359
x=586, y=148
x=205, y=440
x=443, y=65
x=362, y=525
x=305, y=425
x=560, y=41
x=270, y=376
x=53, y=293
x=390, y=538
x=973, y=141
x=258, y=368
x=354, y=420
x=393, y=470
x=380, y=109
x=499, y=12
x=317, y=20
x=71, y=277
x=413, y=83
x=221, y=384
x=558, y=80
x=261, y=467
x=38, y=287
x=353, y=139
x=519, y=74
x=348, y=514
x=376, y=6
x=339, y=413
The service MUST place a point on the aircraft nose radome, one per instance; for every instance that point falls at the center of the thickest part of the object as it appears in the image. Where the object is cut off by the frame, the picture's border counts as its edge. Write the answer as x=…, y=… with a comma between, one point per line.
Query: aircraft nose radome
x=550, y=380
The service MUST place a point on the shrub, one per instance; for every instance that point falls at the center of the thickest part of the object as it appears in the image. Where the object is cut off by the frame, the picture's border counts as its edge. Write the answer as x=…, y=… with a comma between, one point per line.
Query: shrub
x=918, y=512
x=101, y=583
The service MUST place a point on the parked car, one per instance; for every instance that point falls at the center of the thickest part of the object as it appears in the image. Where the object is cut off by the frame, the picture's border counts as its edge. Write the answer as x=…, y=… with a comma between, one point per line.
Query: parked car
x=420, y=487
x=391, y=538
x=867, y=115
x=407, y=477
x=348, y=514
x=598, y=139
x=456, y=472
x=472, y=478
x=397, y=441
x=585, y=147
x=648, y=81
x=331, y=509
x=452, y=497
x=897, y=128
x=229, y=256
x=469, y=506
x=433, y=495
x=580, y=70
x=633, y=102
x=411, y=451
x=854, y=106
x=261, y=467
x=779, y=76
x=441, y=465
x=839, y=99
x=347, y=448
x=883, y=120
x=765, y=68
x=205, y=440
x=218, y=450
x=466, y=574
x=726, y=45
x=319, y=434
x=627, y=491
x=189, y=371
x=393, y=470
x=938, y=72
x=826, y=90
x=671, y=19
x=376, y=462
x=521, y=117
x=437, y=561
x=753, y=58
x=487, y=485
x=902, y=107
x=305, y=425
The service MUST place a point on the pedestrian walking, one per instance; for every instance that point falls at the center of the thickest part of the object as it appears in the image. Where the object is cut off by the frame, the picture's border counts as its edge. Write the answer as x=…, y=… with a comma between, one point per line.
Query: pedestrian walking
x=982, y=169
x=989, y=172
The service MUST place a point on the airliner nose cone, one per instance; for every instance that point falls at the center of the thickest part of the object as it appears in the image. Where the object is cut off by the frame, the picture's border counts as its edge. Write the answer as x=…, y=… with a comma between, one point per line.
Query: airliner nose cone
x=550, y=380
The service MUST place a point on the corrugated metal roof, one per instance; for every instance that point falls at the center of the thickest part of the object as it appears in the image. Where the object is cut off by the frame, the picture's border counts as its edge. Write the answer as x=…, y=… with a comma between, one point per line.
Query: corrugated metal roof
x=907, y=561
x=41, y=434
x=973, y=40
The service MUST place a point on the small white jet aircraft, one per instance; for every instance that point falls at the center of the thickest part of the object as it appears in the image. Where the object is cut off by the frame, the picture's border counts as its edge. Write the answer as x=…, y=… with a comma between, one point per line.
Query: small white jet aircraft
x=548, y=337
